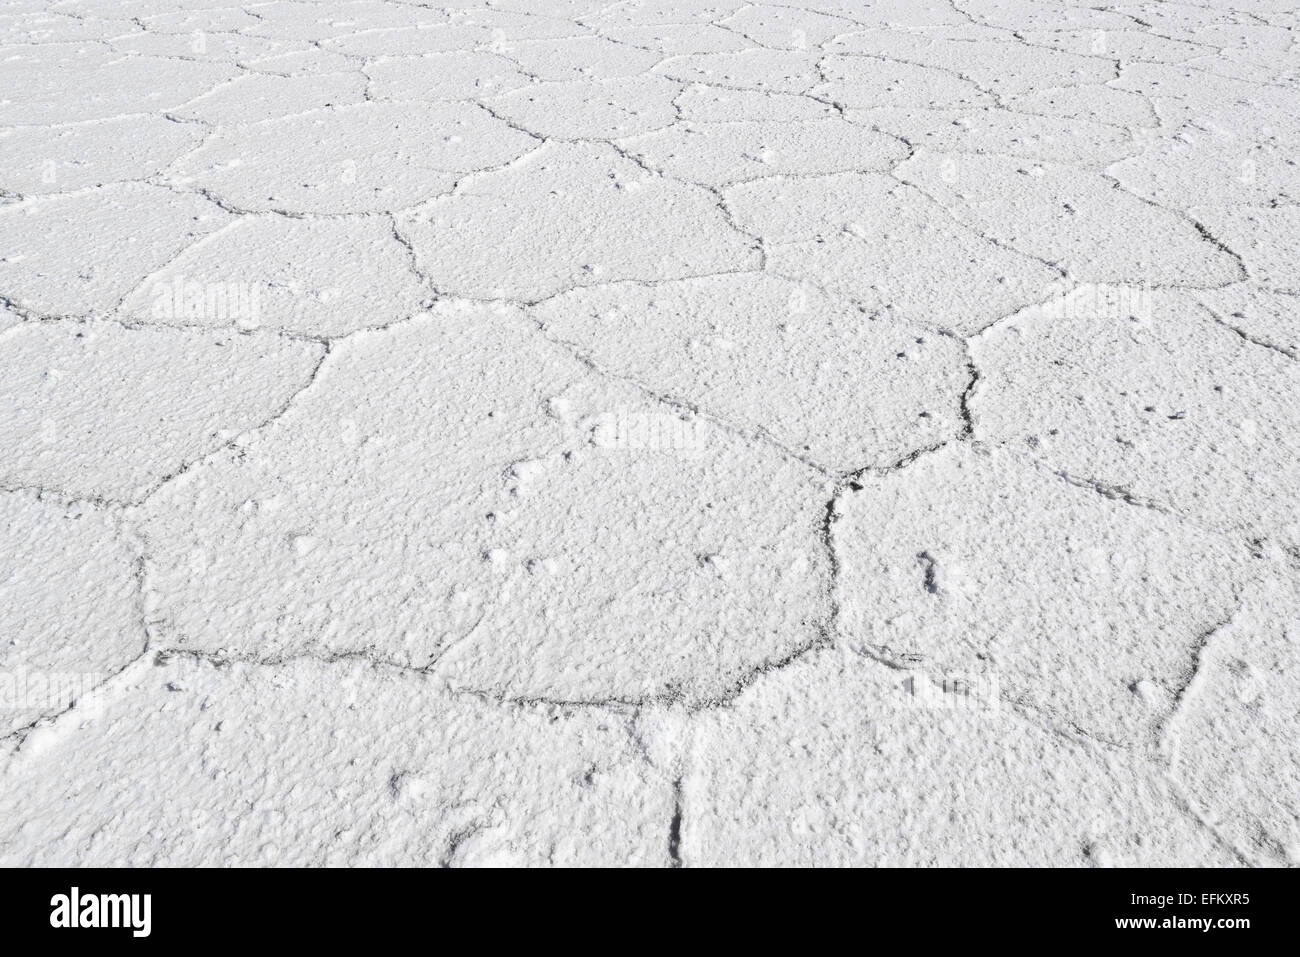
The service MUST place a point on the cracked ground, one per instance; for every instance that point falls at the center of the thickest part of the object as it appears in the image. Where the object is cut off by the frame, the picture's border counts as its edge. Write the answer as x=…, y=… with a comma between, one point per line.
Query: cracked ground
x=650, y=433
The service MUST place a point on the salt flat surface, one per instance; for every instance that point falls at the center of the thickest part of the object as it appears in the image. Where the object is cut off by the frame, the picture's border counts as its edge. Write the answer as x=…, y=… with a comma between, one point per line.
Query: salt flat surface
x=547, y=432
